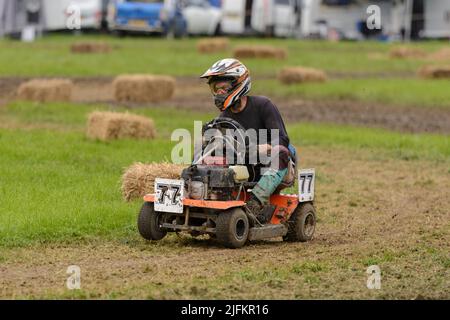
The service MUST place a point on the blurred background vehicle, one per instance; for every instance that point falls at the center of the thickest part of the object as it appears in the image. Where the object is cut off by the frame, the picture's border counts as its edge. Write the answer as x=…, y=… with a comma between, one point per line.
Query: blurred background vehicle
x=137, y=16
x=279, y=18
x=324, y=19
x=203, y=17
x=56, y=13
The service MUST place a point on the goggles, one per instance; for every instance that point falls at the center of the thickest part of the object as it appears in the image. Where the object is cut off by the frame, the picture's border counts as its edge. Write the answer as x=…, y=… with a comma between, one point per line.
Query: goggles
x=221, y=86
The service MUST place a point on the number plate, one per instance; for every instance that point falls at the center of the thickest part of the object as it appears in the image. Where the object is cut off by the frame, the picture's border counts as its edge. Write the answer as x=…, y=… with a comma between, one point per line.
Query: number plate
x=306, y=179
x=169, y=195
x=138, y=23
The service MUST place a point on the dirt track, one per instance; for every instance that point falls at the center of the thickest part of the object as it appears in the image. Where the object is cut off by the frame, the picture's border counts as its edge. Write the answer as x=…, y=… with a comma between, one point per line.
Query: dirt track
x=193, y=94
x=371, y=209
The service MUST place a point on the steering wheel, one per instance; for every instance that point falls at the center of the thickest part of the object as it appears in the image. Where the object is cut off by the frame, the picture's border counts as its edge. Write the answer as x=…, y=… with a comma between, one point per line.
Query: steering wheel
x=238, y=141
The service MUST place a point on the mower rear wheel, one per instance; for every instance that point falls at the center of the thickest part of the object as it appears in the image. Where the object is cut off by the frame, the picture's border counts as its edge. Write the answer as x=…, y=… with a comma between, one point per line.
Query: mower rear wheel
x=302, y=223
x=148, y=223
x=232, y=228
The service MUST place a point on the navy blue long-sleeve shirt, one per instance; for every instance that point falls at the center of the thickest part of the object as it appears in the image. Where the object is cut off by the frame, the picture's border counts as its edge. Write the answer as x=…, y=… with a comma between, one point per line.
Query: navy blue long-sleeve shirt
x=260, y=113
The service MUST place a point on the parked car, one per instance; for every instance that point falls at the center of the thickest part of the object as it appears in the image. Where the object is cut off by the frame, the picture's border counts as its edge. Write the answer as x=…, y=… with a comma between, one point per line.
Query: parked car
x=145, y=17
x=202, y=17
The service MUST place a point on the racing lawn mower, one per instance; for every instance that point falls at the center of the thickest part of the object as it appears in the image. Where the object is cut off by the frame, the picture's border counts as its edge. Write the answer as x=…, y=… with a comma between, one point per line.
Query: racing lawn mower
x=211, y=199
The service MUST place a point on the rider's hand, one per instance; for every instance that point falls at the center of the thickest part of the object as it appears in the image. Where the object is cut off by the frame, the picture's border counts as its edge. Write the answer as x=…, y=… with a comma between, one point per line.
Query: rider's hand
x=264, y=148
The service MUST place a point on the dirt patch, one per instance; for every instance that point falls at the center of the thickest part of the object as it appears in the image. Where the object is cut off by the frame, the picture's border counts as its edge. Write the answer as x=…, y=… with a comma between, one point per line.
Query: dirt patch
x=404, y=119
x=372, y=211
x=193, y=94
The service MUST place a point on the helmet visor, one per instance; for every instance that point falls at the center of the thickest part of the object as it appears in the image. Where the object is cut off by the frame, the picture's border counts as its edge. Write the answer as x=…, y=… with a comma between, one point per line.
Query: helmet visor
x=221, y=86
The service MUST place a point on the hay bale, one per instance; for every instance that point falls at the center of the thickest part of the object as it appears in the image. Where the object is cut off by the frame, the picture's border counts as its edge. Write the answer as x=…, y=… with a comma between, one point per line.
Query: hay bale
x=143, y=88
x=90, y=47
x=440, y=55
x=407, y=53
x=435, y=72
x=46, y=90
x=289, y=75
x=114, y=125
x=213, y=45
x=139, y=178
x=243, y=52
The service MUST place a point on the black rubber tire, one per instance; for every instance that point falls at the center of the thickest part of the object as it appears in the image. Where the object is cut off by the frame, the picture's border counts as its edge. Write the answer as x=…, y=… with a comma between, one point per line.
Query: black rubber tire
x=302, y=223
x=232, y=228
x=148, y=223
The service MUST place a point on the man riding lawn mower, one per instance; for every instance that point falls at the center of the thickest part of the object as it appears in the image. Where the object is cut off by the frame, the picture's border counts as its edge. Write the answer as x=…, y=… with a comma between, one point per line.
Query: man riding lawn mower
x=235, y=198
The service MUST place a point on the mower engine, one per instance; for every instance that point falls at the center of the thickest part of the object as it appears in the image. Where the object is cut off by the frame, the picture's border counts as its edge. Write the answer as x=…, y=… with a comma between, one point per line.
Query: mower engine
x=214, y=182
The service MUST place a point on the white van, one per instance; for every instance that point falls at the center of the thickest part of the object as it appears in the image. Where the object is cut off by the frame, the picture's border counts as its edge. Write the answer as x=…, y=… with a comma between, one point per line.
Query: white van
x=56, y=15
x=280, y=18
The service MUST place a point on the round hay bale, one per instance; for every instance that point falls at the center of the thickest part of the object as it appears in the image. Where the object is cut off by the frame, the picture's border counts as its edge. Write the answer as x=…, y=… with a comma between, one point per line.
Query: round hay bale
x=435, y=72
x=263, y=52
x=107, y=126
x=289, y=75
x=213, y=45
x=407, y=53
x=139, y=179
x=90, y=47
x=441, y=55
x=143, y=88
x=46, y=90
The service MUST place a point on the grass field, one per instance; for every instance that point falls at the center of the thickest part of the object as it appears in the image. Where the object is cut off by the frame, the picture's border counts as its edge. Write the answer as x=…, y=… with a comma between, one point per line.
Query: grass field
x=381, y=196
x=51, y=57
x=57, y=185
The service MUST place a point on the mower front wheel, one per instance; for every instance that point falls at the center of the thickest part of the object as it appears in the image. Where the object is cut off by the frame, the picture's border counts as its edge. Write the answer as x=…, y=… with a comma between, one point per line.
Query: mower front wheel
x=232, y=228
x=148, y=223
x=302, y=223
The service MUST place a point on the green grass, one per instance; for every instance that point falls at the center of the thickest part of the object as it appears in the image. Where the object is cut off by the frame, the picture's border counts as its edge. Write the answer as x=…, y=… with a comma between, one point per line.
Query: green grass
x=51, y=56
x=411, y=92
x=56, y=185
x=397, y=145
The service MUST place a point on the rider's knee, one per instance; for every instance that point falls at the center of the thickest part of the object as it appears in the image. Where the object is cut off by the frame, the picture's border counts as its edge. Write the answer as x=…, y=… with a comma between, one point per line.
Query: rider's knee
x=281, y=154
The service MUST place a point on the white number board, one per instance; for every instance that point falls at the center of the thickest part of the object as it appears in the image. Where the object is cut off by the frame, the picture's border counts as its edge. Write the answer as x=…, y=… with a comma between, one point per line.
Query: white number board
x=306, y=179
x=169, y=195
